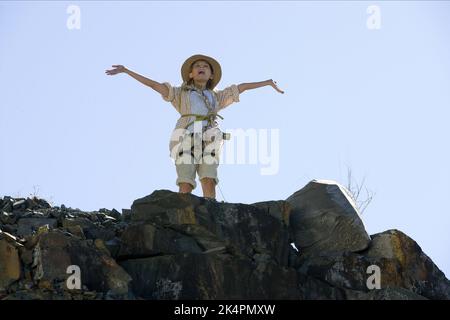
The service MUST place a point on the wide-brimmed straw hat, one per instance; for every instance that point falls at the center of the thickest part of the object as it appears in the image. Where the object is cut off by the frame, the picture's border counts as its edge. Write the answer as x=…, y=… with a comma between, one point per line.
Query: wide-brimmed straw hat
x=186, y=68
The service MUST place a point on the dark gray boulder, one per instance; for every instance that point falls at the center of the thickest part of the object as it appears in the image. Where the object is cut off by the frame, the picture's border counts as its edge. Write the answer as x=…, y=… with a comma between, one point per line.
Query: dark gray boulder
x=246, y=228
x=325, y=219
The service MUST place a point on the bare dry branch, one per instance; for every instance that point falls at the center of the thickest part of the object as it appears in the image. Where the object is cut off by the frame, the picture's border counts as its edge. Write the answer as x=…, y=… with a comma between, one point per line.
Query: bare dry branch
x=355, y=189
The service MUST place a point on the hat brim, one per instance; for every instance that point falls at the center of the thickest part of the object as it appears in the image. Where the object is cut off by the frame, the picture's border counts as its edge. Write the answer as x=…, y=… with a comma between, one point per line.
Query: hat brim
x=186, y=68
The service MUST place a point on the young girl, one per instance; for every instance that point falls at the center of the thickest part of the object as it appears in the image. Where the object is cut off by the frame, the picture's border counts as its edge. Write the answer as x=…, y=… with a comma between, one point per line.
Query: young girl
x=198, y=103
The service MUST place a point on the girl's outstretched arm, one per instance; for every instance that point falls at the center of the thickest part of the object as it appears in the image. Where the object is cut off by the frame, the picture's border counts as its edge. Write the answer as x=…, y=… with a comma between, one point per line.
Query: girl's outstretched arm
x=162, y=89
x=253, y=85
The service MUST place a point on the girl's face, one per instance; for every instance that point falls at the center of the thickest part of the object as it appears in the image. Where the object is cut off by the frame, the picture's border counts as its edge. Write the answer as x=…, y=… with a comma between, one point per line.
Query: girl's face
x=201, y=71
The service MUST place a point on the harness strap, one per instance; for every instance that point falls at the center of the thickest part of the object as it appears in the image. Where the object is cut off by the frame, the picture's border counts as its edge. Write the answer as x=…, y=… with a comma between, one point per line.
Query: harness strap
x=211, y=116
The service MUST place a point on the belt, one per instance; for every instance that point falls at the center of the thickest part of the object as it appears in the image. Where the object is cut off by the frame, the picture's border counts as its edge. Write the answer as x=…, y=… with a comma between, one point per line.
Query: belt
x=200, y=117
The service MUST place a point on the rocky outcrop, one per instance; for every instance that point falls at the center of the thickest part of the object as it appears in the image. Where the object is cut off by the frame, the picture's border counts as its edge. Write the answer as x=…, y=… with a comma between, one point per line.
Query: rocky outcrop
x=180, y=246
x=325, y=219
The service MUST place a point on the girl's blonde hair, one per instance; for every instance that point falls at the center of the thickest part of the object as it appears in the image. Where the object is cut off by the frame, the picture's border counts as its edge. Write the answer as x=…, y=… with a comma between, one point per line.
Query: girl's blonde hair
x=190, y=83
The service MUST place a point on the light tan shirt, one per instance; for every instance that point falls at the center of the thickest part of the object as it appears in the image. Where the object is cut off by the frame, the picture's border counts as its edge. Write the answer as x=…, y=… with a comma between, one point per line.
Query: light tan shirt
x=180, y=100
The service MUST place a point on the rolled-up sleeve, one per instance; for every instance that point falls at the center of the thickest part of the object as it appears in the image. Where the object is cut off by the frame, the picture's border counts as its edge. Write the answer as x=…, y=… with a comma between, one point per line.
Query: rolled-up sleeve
x=227, y=96
x=174, y=95
x=171, y=95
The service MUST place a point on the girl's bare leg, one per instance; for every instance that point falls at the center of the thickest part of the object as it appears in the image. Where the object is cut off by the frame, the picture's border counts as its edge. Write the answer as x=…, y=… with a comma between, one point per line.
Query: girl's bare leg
x=209, y=187
x=185, y=187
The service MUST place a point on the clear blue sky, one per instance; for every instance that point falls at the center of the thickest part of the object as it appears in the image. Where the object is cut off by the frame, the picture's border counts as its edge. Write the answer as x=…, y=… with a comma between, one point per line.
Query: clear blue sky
x=376, y=101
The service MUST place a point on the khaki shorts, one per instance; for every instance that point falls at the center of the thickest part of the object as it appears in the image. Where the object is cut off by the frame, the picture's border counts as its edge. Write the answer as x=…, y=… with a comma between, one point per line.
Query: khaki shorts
x=200, y=160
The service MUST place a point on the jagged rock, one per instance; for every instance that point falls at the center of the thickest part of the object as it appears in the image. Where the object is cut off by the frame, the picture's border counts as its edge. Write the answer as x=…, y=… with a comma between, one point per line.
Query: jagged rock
x=56, y=251
x=113, y=247
x=89, y=229
x=100, y=245
x=213, y=277
x=180, y=246
x=111, y=213
x=204, y=238
x=8, y=217
x=403, y=266
x=51, y=259
x=82, y=222
x=166, y=207
x=32, y=239
x=31, y=203
x=76, y=230
x=12, y=229
x=56, y=213
x=414, y=270
x=145, y=239
x=115, y=214
x=126, y=214
x=316, y=289
x=19, y=204
x=246, y=227
x=36, y=203
x=7, y=204
x=278, y=209
x=325, y=219
x=26, y=226
x=10, y=266
x=26, y=255
x=342, y=270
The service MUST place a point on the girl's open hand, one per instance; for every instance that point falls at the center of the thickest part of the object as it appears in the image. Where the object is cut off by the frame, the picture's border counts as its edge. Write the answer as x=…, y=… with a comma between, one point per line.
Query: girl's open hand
x=117, y=69
x=274, y=85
